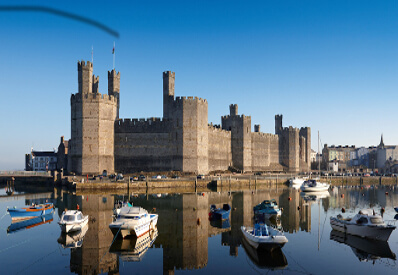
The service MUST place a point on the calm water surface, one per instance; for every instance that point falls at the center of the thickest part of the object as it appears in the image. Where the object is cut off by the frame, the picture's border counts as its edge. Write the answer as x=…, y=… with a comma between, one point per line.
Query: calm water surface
x=187, y=242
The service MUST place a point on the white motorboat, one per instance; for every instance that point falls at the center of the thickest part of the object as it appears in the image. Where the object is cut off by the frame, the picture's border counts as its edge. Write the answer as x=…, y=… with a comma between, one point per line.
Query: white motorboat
x=366, y=224
x=296, y=182
x=72, y=220
x=314, y=196
x=314, y=186
x=133, y=221
x=119, y=205
x=263, y=236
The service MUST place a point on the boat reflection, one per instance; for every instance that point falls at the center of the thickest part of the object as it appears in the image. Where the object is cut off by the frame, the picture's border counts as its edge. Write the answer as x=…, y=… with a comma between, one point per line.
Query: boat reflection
x=134, y=249
x=220, y=223
x=72, y=239
x=265, y=259
x=314, y=196
x=364, y=249
x=29, y=223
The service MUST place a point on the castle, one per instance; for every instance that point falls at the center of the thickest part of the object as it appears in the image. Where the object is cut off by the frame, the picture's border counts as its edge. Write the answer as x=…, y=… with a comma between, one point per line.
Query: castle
x=180, y=141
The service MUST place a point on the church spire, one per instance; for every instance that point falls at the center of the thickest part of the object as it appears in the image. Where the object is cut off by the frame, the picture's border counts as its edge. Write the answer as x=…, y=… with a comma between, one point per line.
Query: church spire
x=381, y=142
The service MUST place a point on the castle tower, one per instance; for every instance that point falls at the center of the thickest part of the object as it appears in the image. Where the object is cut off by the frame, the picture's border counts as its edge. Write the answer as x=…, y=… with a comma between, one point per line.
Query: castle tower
x=85, y=77
x=95, y=84
x=233, y=109
x=278, y=124
x=114, y=87
x=168, y=93
x=257, y=128
x=240, y=127
x=92, y=127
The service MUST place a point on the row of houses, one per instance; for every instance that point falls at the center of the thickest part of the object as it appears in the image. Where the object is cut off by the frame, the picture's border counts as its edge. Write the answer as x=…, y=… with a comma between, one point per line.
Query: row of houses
x=382, y=158
x=48, y=160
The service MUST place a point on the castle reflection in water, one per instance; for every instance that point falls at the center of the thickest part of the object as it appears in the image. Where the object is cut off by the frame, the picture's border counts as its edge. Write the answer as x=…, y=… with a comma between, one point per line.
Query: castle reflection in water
x=183, y=225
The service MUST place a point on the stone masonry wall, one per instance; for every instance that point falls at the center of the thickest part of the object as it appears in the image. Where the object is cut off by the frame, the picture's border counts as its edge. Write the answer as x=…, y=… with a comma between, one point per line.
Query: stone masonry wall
x=220, y=155
x=190, y=115
x=265, y=151
x=92, y=133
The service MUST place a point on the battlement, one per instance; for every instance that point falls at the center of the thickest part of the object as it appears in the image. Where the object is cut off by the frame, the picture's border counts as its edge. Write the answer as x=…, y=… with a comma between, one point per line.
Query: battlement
x=217, y=128
x=142, y=125
x=290, y=129
x=92, y=97
x=169, y=74
x=113, y=73
x=266, y=135
x=82, y=65
x=237, y=116
x=189, y=99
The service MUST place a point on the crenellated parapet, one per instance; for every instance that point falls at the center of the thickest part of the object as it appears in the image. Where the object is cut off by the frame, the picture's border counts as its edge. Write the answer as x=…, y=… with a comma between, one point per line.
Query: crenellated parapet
x=93, y=97
x=142, y=125
x=189, y=99
x=265, y=135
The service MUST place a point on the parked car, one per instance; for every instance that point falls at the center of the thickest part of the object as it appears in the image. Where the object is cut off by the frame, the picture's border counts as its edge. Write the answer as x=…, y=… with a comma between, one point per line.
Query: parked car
x=141, y=178
x=175, y=176
x=200, y=177
x=164, y=177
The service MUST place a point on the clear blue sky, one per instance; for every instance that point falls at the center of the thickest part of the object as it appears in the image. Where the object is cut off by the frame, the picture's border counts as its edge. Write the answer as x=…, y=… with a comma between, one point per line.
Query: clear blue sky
x=329, y=65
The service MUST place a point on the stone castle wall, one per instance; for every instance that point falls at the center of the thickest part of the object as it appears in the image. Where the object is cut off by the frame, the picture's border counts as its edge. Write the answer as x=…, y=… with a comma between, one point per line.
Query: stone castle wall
x=265, y=151
x=182, y=140
x=219, y=153
x=144, y=145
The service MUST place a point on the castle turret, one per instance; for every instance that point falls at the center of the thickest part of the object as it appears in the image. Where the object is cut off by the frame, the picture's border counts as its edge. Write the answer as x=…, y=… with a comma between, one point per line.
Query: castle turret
x=278, y=124
x=114, y=87
x=92, y=127
x=257, y=128
x=168, y=93
x=85, y=77
x=95, y=84
x=233, y=109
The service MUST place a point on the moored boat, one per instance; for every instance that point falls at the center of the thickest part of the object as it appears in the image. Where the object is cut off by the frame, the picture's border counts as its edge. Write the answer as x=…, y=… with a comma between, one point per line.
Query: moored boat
x=264, y=236
x=220, y=213
x=72, y=220
x=31, y=211
x=268, y=208
x=314, y=186
x=133, y=221
x=366, y=224
x=296, y=182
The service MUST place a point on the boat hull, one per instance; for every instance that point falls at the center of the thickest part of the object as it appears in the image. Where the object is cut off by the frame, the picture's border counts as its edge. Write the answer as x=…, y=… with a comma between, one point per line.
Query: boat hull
x=381, y=233
x=267, y=242
x=30, y=212
x=125, y=229
x=71, y=227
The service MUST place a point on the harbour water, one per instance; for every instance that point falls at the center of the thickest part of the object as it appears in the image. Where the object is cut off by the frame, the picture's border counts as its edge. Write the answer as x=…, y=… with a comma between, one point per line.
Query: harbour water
x=187, y=242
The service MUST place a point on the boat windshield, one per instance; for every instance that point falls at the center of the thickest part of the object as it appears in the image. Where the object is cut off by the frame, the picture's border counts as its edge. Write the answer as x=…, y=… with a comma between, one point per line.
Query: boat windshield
x=130, y=217
x=80, y=216
x=376, y=220
x=69, y=218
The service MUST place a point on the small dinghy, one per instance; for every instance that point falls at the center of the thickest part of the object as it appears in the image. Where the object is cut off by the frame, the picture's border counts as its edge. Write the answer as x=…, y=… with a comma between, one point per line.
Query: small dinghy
x=72, y=220
x=36, y=210
x=264, y=236
x=314, y=186
x=220, y=213
x=268, y=208
x=366, y=224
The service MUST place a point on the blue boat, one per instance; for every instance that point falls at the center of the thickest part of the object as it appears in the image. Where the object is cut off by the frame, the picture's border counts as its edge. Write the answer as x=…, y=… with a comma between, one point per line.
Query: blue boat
x=29, y=223
x=220, y=213
x=30, y=212
x=268, y=208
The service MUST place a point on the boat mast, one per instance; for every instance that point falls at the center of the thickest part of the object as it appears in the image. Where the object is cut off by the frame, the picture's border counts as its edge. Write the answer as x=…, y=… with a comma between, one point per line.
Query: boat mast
x=319, y=159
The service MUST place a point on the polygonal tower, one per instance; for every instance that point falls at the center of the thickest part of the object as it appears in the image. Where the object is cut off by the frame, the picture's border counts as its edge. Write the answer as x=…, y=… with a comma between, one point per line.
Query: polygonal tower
x=114, y=87
x=168, y=93
x=92, y=126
